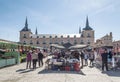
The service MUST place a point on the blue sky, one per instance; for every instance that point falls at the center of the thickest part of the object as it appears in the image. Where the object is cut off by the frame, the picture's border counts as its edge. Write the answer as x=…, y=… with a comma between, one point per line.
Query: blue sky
x=59, y=17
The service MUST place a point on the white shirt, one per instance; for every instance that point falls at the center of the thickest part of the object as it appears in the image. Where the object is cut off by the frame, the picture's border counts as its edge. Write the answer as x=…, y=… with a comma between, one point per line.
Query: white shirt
x=34, y=56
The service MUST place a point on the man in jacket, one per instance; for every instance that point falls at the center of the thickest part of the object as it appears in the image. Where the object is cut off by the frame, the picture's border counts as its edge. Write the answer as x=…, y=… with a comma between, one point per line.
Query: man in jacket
x=104, y=60
x=40, y=58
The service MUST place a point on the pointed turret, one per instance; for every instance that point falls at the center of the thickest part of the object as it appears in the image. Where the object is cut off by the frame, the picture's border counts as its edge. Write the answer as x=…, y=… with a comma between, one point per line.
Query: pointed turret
x=26, y=26
x=36, y=32
x=87, y=22
x=79, y=30
x=87, y=27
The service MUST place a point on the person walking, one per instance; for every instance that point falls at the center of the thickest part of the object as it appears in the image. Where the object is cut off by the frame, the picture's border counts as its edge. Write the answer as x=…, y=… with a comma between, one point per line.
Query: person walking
x=91, y=58
x=104, y=56
x=86, y=58
x=29, y=59
x=40, y=58
x=77, y=55
x=82, y=58
x=34, y=58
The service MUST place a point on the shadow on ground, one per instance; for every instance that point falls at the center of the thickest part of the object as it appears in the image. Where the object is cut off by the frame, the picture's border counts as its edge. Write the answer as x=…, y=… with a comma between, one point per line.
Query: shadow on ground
x=111, y=72
x=19, y=70
x=24, y=70
x=44, y=71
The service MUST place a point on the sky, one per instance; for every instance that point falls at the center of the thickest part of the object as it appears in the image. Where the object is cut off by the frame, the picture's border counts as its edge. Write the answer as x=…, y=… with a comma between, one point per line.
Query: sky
x=59, y=17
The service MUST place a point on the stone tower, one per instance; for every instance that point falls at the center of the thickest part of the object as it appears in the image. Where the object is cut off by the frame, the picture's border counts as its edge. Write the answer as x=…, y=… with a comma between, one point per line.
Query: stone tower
x=87, y=34
x=25, y=33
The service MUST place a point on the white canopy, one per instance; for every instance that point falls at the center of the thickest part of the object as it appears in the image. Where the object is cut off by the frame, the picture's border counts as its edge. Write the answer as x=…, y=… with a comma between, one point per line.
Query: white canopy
x=57, y=46
x=78, y=46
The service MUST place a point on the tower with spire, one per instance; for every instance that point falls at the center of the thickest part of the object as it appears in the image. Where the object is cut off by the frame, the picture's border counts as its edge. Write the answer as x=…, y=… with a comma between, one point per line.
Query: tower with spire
x=87, y=34
x=26, y=26
x=87, y=27
x=36, y=32
x=79, y=30
x=25, y=33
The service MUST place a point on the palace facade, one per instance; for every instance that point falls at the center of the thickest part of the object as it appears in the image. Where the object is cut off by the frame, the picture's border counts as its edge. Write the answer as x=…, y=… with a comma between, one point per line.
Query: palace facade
x=85, y=36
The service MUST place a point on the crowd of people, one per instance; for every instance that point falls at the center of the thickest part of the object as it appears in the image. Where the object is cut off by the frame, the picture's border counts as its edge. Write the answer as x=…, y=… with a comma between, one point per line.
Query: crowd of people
x=86, y=58
x=90, y=57
x=34, y=56
x=82, y=56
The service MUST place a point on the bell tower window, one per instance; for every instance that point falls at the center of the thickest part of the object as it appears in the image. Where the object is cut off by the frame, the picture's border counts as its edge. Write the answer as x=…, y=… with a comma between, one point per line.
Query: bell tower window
x=88, y=35
x=31, y=42
x=37, y=42
x=24, y=36
x=24, y=42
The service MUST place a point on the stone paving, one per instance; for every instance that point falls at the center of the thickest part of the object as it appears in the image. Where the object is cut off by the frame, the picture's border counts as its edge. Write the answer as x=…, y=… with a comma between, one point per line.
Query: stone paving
x=18, y=73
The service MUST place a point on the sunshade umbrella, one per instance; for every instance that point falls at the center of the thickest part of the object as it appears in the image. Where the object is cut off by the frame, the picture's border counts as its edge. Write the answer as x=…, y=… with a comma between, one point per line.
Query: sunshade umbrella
x=78, y=46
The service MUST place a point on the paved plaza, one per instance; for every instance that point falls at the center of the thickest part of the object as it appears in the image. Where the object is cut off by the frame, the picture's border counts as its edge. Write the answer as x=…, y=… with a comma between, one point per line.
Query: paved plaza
x=18, y=73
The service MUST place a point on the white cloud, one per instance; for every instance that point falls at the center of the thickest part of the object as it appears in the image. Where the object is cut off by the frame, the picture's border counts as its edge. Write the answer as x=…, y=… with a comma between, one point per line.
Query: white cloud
x=87, y=6
x=108, y=8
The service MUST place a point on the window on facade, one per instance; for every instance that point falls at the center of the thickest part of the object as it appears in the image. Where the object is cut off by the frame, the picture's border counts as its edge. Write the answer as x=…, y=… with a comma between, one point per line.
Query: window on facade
x=74, y=36
x=50, y=43
x=24, y=42
x=37, y=36
x=56, y=43
x=82, y=35
x=88, y=42
x=68, y=36
x=43, y=36
x=44, y=42
x=37, y=42
x=31, y=42
x=50, y=36
x=61, y=36
x=81, y=42
x=31, y=36
x=24, y=36
x=88, y=35
x=75, y=42
x=55, y=36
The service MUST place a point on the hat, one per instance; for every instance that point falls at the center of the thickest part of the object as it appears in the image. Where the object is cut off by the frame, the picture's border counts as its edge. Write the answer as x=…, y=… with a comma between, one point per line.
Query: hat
x=30, y=51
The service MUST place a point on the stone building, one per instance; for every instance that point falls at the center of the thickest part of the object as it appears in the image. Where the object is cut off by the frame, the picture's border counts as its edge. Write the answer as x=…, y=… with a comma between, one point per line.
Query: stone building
x=85, y=36
x=105, y=41
x=116, y=43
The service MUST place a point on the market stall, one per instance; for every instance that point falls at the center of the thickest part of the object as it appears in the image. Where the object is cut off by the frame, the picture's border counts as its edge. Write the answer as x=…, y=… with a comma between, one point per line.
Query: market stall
x=8, y=54
x=63, y=61
x=78, y=46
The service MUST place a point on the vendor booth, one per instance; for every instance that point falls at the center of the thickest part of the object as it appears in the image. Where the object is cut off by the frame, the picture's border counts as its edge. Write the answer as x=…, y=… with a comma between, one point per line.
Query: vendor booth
x=62, y=64
x=65, y=59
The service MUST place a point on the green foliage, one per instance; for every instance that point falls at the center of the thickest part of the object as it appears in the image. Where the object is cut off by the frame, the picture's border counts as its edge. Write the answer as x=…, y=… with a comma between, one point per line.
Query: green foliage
x=13, y=53
x=4, y=45
x=22, y=57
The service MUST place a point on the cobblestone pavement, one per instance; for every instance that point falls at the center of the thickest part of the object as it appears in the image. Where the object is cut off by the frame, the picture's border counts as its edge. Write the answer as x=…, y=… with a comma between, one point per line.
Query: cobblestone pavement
x=18, y=73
